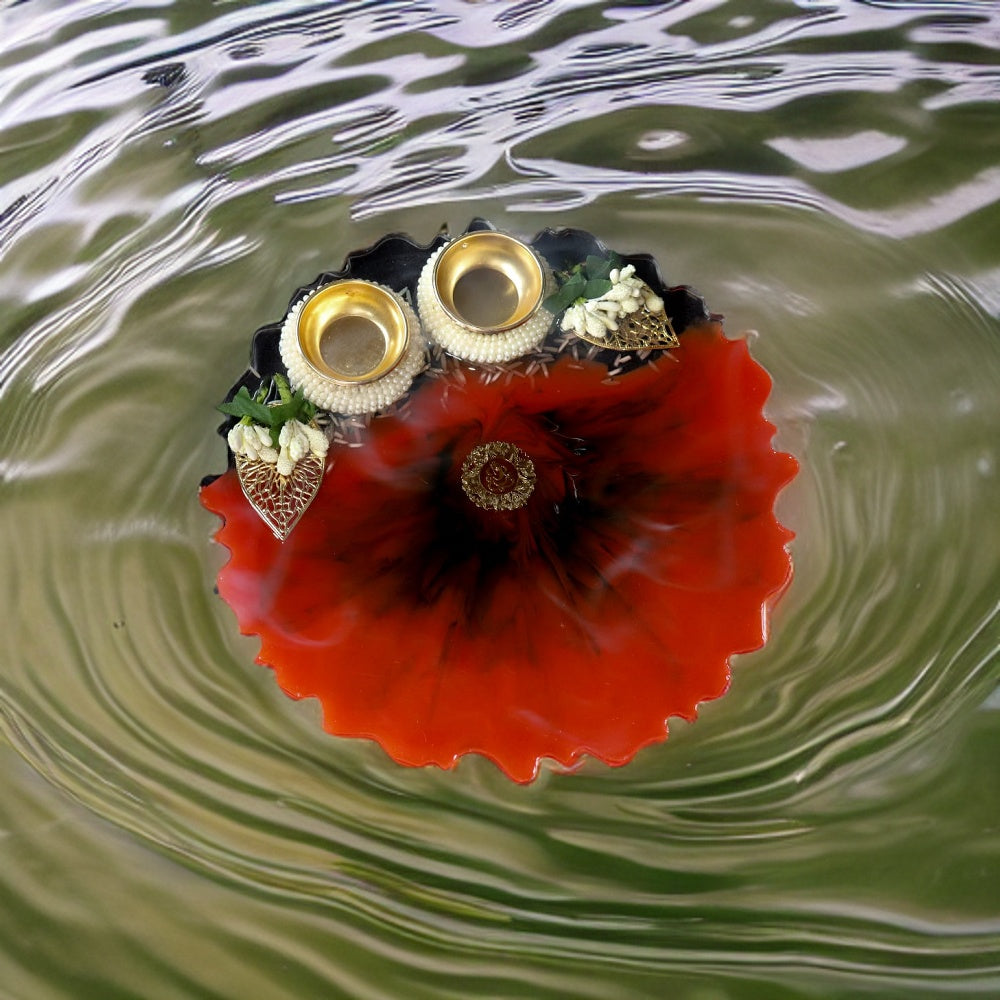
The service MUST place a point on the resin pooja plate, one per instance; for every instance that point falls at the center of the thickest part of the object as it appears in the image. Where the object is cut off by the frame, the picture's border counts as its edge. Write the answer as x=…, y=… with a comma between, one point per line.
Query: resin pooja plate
x=497, y=497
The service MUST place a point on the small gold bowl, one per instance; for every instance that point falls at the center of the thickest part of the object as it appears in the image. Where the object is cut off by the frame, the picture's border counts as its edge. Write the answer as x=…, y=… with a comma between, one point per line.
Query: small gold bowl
x=352, y=332
x=488, y=282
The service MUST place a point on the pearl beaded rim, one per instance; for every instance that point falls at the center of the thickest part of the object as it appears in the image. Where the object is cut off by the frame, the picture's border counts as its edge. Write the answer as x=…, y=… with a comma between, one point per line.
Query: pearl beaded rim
x=483, y=348
x=364, y=397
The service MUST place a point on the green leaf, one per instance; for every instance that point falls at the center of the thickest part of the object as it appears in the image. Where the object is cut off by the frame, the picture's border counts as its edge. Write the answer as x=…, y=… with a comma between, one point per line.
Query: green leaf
x=284, y=390
x=555, y=303
x=567, y=294
x=562, y=299
x=307, y=410
x=244, y=405
x=597, y=267
x=277, y=414
x=291, y=407
x=589, y=279
x=272, y=416
x=596, y=287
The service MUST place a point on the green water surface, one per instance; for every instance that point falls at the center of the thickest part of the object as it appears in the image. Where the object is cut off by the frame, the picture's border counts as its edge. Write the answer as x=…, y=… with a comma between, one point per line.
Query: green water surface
x=826, y=174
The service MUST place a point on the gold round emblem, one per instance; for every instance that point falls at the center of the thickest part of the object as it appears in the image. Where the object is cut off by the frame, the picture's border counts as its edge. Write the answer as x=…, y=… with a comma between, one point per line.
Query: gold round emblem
x=498, y=476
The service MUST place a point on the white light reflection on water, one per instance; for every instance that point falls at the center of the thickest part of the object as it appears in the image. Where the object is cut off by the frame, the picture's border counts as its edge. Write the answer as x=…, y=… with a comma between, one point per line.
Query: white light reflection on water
x=826, y=174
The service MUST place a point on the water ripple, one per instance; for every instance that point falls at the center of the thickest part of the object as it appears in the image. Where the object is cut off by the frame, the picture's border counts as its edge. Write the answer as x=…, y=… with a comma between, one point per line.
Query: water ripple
x=825, y=174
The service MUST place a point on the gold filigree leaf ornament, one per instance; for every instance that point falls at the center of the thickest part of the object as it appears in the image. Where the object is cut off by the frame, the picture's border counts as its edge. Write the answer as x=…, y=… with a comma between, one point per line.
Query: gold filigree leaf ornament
x=605, y=303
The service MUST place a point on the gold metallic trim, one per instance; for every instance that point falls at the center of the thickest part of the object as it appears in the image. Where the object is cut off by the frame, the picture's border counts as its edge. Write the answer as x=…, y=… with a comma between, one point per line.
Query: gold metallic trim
x=280, y=500
x=498, y=476
x=356, y=313
x=639, y=331
x=488, y=282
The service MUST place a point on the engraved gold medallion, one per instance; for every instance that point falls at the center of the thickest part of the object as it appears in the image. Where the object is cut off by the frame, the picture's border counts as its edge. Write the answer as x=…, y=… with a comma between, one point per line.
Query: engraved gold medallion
x=498, y=476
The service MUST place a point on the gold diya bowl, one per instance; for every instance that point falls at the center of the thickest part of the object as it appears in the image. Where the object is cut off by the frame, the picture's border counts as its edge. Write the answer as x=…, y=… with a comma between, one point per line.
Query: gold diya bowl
x=488, y=282
x=352, y=332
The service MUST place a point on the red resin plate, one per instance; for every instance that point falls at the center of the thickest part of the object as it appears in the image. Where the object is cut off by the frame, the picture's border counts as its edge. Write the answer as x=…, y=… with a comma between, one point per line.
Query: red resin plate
x=647, y=554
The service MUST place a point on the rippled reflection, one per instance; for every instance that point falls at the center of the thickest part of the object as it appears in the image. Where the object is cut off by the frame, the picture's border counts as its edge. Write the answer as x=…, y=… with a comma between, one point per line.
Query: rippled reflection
x=825, y=174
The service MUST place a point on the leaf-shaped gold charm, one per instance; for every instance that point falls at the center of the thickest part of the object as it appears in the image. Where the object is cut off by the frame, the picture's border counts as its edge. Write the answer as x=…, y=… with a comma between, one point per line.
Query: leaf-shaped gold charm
x=639, y=331
x=280, y=500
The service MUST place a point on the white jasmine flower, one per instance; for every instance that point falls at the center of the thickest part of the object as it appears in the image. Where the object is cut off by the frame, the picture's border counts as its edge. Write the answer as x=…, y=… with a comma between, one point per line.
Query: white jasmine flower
x=595, y=328
x=318, y=441
x=282, y=446
x=608, y=322
x=617, y=292
x=594, y=318
x=653, y=302
x=293, y=441
x=296, y=440
x=235, y=438
x=244, y=441
x=575, y=319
